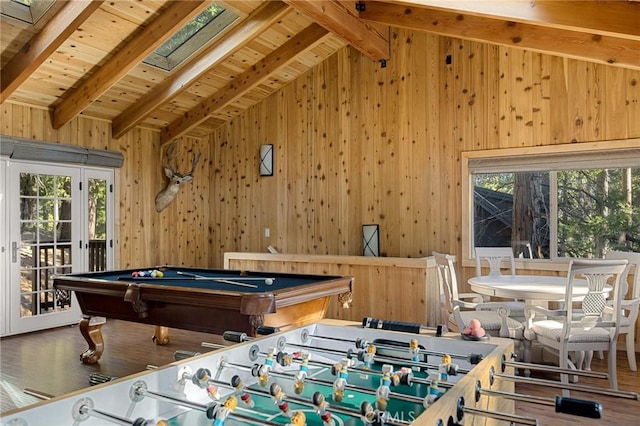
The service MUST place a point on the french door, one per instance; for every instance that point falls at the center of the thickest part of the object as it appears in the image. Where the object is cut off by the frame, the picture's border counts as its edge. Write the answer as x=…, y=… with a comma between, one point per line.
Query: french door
x=59, y=220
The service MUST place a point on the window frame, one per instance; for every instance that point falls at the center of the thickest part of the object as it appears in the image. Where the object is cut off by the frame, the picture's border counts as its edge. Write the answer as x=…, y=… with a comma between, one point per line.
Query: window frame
x=205, y=36
x=562, y=150
x=26, y=14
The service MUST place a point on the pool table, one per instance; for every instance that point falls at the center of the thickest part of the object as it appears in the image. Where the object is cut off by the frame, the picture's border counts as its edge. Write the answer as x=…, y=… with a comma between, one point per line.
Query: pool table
x=199, y=299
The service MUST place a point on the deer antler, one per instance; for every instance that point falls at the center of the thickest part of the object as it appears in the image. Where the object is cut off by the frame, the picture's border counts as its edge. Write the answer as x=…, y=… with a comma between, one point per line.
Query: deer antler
x=169, y=193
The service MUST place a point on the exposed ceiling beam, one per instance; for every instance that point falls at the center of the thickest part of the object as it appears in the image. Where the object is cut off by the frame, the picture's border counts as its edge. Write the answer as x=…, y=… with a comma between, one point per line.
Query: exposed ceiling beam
x=586, y=46
x=142, y=45
x=616, y=18
x=237, y=38
x=276, y=60
x=342, y=21
x=43, y=44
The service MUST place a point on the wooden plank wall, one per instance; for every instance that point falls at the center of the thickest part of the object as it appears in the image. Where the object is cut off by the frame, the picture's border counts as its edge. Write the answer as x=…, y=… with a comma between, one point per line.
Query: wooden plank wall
x=354, y=144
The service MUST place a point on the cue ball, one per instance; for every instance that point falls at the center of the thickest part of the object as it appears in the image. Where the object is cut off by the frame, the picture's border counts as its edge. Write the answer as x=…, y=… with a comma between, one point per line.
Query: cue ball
x=268, y=281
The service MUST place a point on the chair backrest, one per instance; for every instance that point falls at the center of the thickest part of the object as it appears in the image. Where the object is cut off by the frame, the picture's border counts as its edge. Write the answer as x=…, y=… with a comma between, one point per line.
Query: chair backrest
x=494, y=256
x=447, y=280
x=634, y=261
x=597, y=274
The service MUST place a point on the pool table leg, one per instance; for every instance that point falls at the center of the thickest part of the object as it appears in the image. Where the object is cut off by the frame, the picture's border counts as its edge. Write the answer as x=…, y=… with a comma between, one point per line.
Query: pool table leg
x=256, y=321
x=91, y=330
x=161, y=335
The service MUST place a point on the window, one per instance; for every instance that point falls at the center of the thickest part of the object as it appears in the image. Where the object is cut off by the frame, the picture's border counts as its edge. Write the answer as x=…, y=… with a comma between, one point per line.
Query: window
x=195, y=34
x=29, y=11
x=568, y=201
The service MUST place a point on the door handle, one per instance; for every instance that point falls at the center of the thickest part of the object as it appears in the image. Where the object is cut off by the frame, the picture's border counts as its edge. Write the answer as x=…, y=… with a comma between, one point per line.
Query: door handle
x=14, y=251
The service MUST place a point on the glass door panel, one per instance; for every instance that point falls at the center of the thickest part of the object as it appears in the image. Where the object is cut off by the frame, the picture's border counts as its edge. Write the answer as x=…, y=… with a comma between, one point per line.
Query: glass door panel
x=45, y=245
x=45, y=242
x=97, y=216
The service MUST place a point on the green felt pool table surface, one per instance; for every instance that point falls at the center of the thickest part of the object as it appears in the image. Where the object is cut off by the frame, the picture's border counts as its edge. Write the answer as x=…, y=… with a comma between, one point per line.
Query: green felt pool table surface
x=214, y=280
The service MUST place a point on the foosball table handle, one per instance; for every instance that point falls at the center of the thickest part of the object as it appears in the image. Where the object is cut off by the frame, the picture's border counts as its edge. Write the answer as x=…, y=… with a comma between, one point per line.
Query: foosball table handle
x=266, y=330
x=235, y=336
x=578, y=407
x=405, y=327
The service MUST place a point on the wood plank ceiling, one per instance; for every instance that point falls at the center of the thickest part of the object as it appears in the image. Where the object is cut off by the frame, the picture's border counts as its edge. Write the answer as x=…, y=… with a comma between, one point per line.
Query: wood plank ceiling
x=85, y=57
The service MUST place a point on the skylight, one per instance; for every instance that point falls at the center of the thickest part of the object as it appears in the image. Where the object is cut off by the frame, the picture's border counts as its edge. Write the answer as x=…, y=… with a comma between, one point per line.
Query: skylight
x=195, y=34
x=29, y=11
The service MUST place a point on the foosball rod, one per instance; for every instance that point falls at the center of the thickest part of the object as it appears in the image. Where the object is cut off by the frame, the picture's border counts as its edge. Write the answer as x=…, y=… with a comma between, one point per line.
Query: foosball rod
x=83, y=409
x=553, y=369
x=565, y=405
x=382, y=359
x=405, y=327
x=357, y=370
x=139, y=389
x=395, y=395
x=181, y=354
x=38, y=394
x=461, y=410
x=240, y=337
x=296, y=399
x=560, y=385
x=362, y=344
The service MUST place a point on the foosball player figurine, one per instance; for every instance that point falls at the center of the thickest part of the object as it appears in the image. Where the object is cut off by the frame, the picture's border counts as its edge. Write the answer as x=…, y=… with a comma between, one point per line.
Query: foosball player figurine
x=371, y=416
x=367, y=357
x=404, y=376
x=321, y=406
x=342, y=370
x=414, y=350
x=263, y=373
x=298, y=419
x=434, y=391
x=284, y=359
x=382, y=393
x=301, y=375
x=201, y=379
x=223, y=411
x=446, y=368
x=245, y=397
x=278, y=398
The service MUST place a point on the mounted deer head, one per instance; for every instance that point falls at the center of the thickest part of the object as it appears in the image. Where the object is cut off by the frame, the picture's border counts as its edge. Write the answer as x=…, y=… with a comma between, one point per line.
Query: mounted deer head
x=169, y=193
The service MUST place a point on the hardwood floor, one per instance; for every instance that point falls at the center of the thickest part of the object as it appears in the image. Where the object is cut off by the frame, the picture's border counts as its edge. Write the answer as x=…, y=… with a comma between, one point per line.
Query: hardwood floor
x=616, y=411
x=48, y=362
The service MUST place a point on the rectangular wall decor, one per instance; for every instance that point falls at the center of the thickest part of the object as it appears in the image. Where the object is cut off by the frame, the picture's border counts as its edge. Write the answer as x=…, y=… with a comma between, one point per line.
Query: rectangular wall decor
x=370, y=240
x=266, y=160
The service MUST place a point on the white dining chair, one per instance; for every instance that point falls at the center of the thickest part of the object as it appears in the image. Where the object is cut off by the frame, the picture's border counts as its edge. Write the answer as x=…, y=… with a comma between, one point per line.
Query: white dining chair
x=593, y=326
x=497, y=258
x=629, y=305
x=630, y=301
x=457, y=313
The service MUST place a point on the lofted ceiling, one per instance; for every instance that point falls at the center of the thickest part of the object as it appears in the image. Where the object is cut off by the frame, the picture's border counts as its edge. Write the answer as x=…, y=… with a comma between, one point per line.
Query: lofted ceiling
x=85, y=57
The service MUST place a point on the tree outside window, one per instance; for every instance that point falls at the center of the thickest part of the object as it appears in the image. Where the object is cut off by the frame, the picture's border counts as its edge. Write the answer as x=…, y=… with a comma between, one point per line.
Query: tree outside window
x=590, y=211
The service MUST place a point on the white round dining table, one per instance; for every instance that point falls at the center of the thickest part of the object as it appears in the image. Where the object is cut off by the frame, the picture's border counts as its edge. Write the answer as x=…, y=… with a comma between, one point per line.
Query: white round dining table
x=528, y=287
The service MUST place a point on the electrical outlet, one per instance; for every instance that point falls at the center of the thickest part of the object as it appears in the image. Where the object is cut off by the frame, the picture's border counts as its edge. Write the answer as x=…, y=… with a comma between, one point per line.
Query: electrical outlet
x=267, y=232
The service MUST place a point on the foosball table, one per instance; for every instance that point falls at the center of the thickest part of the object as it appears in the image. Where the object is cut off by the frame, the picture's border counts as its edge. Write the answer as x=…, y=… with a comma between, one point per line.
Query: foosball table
x=329, y=373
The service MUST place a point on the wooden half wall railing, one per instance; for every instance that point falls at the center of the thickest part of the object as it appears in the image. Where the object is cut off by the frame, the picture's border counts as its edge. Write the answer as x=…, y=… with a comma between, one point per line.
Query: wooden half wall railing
x=391, y=288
